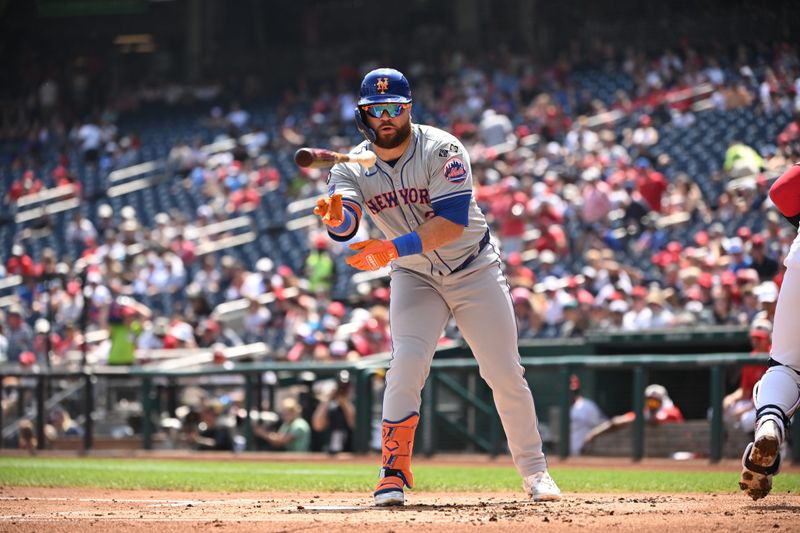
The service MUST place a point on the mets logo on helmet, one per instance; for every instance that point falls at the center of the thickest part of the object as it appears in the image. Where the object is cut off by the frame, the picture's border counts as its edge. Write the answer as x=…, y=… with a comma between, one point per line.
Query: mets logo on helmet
x=382, y=85
x=454, y=170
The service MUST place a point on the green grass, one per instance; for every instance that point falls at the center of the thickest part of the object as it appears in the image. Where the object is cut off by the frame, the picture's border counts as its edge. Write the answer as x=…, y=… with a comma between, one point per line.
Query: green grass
x=208, y=475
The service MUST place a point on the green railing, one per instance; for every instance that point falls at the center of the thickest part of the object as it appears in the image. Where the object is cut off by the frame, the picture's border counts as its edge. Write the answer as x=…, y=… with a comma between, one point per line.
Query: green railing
x=439, y=382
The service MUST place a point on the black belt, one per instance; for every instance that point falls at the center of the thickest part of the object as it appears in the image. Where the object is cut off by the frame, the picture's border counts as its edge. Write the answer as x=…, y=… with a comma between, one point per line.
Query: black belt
x=772, y=362
x=471, y=258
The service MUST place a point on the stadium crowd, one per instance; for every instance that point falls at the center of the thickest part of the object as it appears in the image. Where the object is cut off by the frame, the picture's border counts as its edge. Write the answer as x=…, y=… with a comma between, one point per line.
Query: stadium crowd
x=577, y=188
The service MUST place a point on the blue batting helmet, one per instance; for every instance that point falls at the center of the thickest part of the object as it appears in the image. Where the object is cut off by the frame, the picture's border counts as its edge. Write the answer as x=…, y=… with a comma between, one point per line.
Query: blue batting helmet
x=384, y=85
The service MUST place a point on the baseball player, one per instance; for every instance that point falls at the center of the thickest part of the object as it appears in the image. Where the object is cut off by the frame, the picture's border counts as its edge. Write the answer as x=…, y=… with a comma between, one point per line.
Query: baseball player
x=419, y=194
x=777, y=394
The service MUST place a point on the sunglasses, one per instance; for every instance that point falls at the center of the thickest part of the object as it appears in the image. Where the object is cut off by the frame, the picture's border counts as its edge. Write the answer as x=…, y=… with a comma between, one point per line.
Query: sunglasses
x=377, y=110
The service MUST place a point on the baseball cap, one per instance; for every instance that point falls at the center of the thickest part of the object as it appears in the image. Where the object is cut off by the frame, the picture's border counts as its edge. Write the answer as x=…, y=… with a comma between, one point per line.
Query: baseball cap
x=705, y=280
x=27, y=358
x=160, y=326
x=701, y=238
x=514, y=259
x=336, y=309
x=655, y=391
x=547, y=257
x=381, y=293
x=733, y=245
x=585, y=297
x=744, y=233
x=205, y=211
x=73, y=287
x=42, y=325
x=128, y=212
x=618, y=306
x=639, y=292
x=674, y=247
x=264, y=264
x=520, y=295
x=338, y=349
x=767, y=292
x=761, y=328
x=727, y=278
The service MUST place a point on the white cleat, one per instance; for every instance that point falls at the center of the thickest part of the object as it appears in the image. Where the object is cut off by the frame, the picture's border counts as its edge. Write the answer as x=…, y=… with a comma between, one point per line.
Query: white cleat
x=761, y=461
x=767, y=444
x=541, y=487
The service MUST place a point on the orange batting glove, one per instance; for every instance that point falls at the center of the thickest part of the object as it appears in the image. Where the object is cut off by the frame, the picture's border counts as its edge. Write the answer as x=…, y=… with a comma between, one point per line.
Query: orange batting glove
x=330, y=209
x=373, y=254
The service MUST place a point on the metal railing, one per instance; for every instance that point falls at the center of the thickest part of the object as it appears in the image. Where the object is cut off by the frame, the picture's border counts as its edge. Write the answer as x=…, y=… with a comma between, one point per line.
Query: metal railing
x=440, y=382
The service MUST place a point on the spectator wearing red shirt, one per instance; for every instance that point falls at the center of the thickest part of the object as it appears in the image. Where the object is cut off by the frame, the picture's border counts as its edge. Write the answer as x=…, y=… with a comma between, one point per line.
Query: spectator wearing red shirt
x=20, y=263
x=517, y=273
x=244, y=199
x=185, y=249
x=596, y=202
x=738, y=406
x=658, y=409
x=508, y=213
x=25, y=186
x=651, y=184
x=658, y=406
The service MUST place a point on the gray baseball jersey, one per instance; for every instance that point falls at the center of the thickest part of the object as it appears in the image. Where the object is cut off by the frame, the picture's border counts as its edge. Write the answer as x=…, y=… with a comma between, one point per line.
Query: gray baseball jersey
x=398, y=198
x=463, y=278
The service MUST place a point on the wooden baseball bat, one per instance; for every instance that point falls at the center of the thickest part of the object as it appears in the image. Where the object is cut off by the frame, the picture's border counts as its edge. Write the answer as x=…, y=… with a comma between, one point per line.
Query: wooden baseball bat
x=321, y=158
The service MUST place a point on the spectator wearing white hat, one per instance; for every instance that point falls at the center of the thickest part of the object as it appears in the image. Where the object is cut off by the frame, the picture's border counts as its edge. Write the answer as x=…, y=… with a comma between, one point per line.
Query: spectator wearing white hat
x=767, y=293
x=207, y=279
x=256, y=321
x=617, y=310
x=258, y=282
x=152, y=338
x=555, y=298
x=80, y=229
x=640, y=316
x=661, y=317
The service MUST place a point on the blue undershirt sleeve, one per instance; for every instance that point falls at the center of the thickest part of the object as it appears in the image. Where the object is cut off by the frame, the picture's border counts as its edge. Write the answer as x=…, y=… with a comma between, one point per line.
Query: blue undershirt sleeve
x=455, y=208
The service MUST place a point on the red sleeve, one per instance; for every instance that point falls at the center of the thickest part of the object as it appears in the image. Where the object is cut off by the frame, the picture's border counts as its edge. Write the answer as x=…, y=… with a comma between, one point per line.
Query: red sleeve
x=785, y=192
x=669, y=414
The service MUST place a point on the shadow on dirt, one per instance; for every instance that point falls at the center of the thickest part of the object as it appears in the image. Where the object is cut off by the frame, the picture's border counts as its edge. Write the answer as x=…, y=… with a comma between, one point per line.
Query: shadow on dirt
x=420, y=507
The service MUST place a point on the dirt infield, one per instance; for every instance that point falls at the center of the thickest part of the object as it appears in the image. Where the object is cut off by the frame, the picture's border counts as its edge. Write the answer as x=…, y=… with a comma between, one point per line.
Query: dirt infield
x=57, y=510
x=28, y=509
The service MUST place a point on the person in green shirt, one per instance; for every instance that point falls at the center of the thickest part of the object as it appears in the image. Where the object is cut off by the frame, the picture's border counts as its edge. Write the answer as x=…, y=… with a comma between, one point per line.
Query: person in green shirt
x=294, y=434
x=125, y=326
x=320, y=268
x=742, y=160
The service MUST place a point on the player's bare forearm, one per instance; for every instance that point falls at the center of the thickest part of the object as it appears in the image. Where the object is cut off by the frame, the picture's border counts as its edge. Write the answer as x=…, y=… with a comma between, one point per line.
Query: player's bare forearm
x=438, y=232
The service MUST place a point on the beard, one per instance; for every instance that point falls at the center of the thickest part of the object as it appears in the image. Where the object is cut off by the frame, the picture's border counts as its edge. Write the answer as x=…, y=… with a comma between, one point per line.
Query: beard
x=394, y=139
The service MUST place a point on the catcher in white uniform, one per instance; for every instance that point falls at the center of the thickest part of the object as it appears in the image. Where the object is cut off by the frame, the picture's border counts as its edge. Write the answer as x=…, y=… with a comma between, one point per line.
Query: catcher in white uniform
x=777, y=395
x=419, y=194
